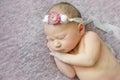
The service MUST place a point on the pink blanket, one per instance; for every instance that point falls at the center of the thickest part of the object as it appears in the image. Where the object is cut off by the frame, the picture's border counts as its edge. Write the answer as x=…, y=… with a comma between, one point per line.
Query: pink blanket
x=23, y=51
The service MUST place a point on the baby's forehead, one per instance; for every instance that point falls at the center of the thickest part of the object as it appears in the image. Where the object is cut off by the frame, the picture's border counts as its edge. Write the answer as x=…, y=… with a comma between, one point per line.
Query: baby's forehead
x=59, y=27
x=54, y=29
x=55, y=34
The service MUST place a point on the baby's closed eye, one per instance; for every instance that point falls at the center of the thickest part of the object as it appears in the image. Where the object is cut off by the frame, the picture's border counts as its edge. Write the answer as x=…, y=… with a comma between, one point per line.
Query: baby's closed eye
x=61, y=37
x=50, y=39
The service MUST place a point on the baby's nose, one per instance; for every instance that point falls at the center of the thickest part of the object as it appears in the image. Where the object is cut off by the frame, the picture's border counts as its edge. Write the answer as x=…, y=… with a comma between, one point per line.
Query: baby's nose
x=57, y=44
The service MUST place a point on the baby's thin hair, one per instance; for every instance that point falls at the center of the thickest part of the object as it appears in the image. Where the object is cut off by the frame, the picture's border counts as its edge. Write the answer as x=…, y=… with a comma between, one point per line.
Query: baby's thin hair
x=65, y=8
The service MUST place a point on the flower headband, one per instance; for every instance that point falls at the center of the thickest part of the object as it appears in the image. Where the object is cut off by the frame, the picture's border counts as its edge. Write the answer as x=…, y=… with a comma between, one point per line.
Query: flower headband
x=55, y=18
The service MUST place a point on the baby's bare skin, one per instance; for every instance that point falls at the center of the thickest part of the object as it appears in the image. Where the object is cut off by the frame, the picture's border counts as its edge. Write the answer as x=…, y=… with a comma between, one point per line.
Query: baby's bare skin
x=106, y=66
x=90, y=59
x=77, y=52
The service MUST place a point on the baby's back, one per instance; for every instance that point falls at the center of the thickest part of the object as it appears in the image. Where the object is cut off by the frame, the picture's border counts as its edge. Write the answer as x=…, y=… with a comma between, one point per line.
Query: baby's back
x=106, y=67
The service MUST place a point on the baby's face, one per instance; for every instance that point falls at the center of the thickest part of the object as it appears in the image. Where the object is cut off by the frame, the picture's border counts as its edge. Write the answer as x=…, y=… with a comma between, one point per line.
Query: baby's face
x=63, y=37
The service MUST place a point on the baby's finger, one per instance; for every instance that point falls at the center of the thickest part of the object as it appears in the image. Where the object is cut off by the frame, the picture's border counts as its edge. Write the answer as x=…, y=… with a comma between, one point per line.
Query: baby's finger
x=51, y=53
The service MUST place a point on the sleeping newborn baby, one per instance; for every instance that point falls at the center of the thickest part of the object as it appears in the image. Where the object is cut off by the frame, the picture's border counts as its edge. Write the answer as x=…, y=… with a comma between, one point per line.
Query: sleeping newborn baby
x=77, y=52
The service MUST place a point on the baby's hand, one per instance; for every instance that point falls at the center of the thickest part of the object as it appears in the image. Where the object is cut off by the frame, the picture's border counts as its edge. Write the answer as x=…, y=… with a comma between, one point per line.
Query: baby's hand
x=51, y=53
x=57, y=54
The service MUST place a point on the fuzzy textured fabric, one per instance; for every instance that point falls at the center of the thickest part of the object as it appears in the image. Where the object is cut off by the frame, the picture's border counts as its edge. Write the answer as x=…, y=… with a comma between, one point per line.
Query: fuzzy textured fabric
x=23, y=51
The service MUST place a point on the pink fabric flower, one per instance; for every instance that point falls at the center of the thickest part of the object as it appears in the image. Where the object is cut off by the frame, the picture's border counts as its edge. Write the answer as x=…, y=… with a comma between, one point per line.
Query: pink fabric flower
x=54, y=18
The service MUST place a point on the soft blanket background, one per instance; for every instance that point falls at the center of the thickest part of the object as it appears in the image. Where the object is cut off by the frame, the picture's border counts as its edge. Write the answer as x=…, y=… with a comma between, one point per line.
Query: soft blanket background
x=23, y=51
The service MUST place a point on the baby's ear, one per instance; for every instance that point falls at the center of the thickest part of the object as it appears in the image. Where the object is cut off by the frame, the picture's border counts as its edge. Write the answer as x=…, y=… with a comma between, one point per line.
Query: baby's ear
x=81, y=28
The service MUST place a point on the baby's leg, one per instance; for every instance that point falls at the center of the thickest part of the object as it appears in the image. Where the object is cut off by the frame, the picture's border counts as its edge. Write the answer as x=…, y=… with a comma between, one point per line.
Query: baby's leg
x=65, y=68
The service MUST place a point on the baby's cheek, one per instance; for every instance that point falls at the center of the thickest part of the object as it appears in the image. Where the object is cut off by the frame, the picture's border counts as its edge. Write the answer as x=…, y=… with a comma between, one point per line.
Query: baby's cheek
x=68, y=43
x=71, y=43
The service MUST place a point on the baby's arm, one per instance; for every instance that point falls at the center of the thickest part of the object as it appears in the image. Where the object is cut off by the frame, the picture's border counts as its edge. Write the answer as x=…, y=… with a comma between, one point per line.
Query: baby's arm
x=88, y=57
x=65, y=68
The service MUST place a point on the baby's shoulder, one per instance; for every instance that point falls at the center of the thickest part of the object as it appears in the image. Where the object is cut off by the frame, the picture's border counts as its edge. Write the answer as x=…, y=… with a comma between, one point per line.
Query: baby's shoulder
x=91, y=37
x=91, y=34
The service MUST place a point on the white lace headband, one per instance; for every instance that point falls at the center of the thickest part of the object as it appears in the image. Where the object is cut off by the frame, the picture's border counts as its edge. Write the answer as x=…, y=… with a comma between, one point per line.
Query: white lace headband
x=56, y=18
